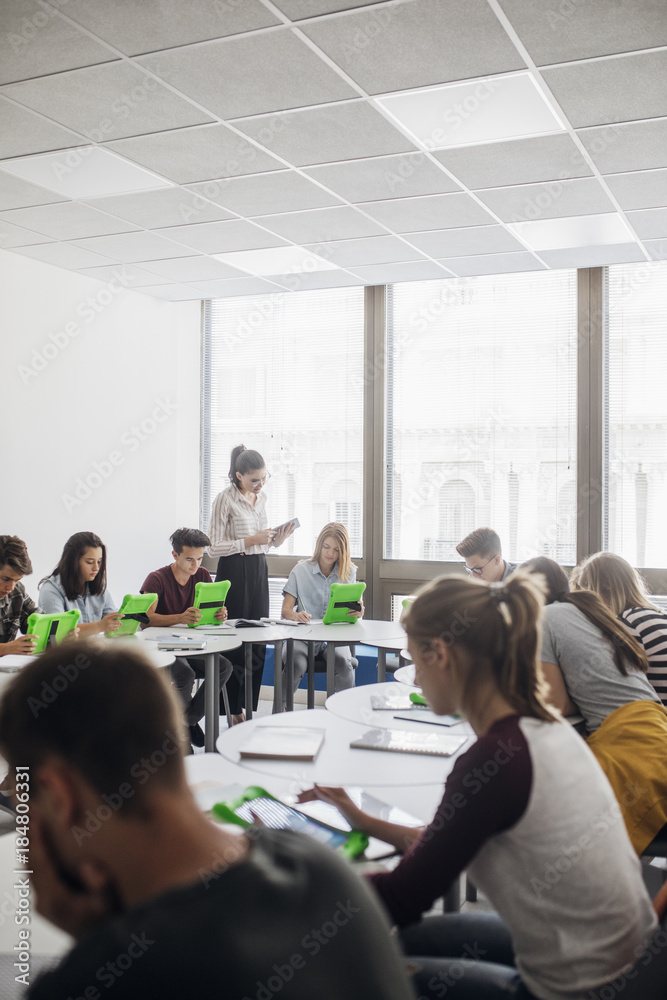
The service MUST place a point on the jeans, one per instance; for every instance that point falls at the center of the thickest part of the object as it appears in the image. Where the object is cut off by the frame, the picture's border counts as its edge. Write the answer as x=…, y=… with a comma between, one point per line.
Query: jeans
x=465, y=956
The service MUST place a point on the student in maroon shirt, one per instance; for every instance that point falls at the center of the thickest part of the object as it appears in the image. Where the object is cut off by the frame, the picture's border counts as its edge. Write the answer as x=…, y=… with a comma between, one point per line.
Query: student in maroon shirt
x=175, y=588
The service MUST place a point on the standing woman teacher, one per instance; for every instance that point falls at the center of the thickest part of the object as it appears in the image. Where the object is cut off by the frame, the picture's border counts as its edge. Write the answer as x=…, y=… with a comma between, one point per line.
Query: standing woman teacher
x=240, y=537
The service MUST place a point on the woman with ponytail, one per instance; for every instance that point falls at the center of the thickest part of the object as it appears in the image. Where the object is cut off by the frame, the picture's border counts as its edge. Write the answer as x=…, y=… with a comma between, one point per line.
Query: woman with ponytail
x=526, y=811
x=240, y=537
x=596, y=668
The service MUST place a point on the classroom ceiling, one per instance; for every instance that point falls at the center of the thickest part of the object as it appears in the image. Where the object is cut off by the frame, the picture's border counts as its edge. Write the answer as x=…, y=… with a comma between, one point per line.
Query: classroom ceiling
x=208, y=148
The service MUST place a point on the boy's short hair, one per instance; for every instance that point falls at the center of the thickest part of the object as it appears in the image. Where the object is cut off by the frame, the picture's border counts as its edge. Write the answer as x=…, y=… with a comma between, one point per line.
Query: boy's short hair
x=193, y=538
x=482, y=542
x=14, y=553
x=107, y=712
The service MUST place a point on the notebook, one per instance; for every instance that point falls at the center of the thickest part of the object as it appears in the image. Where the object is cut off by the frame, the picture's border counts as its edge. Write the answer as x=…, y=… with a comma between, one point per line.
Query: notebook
x=402, y=741
x=391, y=703
x=283, y=743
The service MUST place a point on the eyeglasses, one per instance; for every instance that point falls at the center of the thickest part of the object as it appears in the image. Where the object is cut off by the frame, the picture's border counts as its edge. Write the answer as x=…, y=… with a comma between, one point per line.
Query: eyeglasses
x=477, y=570
x=260, y=482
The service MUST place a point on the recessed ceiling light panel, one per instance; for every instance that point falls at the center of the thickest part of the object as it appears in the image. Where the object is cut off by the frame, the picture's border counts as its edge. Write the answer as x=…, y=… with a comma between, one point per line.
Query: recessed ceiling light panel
x=276, y=260
x=488, y=109
x=577, y=231
x=84, y=172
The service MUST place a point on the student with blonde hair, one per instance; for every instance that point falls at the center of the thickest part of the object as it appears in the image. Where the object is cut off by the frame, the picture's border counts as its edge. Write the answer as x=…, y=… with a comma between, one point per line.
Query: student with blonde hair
x=595, y=668
x=308, y=588
x=624, y=592
x=526, y=811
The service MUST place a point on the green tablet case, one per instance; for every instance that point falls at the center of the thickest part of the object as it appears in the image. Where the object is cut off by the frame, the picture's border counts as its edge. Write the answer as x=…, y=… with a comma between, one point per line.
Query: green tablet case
x=209, y=598
x=343, y=598
x=133, y=608
x=52, y=628
x=354, y=846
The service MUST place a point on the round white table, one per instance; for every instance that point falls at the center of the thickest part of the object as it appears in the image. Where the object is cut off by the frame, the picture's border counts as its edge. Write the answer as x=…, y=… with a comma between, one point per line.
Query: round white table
x=406, y=675
x=216, y=643
x=363, y=632
x=354, y=705
x=336, y=763
x=213, y=779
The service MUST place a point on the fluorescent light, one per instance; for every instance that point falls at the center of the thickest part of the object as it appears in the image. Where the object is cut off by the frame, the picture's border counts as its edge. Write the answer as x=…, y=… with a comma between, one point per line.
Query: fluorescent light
x=488, y=109
x=576, y=231
x=276, y=260
x=84, y=172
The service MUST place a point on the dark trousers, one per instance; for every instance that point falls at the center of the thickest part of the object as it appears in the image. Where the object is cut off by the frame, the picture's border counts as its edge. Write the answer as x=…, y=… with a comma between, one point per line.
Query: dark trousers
x=248, y=597
x=466, y=956
x=183, y=672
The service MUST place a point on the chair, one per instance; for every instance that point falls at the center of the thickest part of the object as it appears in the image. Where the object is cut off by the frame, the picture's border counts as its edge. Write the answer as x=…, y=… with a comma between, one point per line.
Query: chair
x=318, y=665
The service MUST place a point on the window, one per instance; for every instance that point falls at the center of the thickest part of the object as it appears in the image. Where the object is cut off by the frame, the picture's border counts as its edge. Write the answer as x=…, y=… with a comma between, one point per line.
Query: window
x=284, y=374
x=636, y=413
x=480, y=424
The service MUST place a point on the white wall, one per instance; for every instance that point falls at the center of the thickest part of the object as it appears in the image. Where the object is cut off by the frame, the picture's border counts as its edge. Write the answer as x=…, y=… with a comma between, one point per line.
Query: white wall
x=90, y=370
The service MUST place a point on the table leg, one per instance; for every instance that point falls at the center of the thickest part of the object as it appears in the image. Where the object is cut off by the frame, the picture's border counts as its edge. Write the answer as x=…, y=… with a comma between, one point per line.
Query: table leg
x=330, y=658
x=277, y=676
x=289, y=676
x=247, y=648
x=382, y=665
x=212, y=681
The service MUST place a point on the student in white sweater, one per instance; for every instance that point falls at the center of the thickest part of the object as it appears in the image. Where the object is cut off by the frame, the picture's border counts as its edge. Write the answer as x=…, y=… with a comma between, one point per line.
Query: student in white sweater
x=526, y=810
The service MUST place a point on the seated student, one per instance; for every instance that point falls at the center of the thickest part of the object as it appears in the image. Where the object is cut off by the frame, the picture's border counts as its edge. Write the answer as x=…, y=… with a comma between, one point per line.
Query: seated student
x=79, y=583
x=175, y=588
x=622, y=589
x=483, y=556
x=15, y=605
x=308, y=588
x=524, y=802
x=594, y=667
x=162, y=902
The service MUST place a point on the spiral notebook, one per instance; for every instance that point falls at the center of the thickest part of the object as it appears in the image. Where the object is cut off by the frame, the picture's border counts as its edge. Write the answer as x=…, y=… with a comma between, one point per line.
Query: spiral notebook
x=402, y=741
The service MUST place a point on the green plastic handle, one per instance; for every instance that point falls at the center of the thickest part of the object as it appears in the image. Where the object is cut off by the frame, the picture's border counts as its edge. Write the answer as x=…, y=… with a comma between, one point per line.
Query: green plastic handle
x=417, y=699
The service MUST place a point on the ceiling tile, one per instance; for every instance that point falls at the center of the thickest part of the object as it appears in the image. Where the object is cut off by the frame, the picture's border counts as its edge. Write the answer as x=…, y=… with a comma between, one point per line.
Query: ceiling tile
x=264, y=194
x=172, y=293
x=196, y=154
x=221, y=237
x=297, y=9
x=461, y=242
x=382, y=177
x=376, y=250
x=125, y=275
x=633, y=146
x=17, y=193
x=446, y=211
x=156, y=209
x=319, y=279
x=197, y=268
x=650, y=224
x=234, y=286
x=495, y=263
x=17, y=236
x=131, y=248
x=448, y=41
x=411, y=270
x=547, y=201
x=65, y=255
x=644, y=189
x=599, y=256
x=321, y=224
x=37, y=41
x=519, y=161
x=68, y=220
x=619, y=89
x=657, y=249
x=156, y=24
x=107, y=102
x=574, y=30
x=23, y=132
x=319, y=135
x=245, y=76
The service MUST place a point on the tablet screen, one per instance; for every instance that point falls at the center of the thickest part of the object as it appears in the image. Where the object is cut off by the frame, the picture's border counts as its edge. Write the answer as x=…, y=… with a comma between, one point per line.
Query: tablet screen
x=278, y=816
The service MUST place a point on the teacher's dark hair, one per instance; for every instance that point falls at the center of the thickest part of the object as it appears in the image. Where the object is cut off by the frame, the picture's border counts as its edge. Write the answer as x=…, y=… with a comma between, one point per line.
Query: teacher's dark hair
x=68, y=567
x=244, y=460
